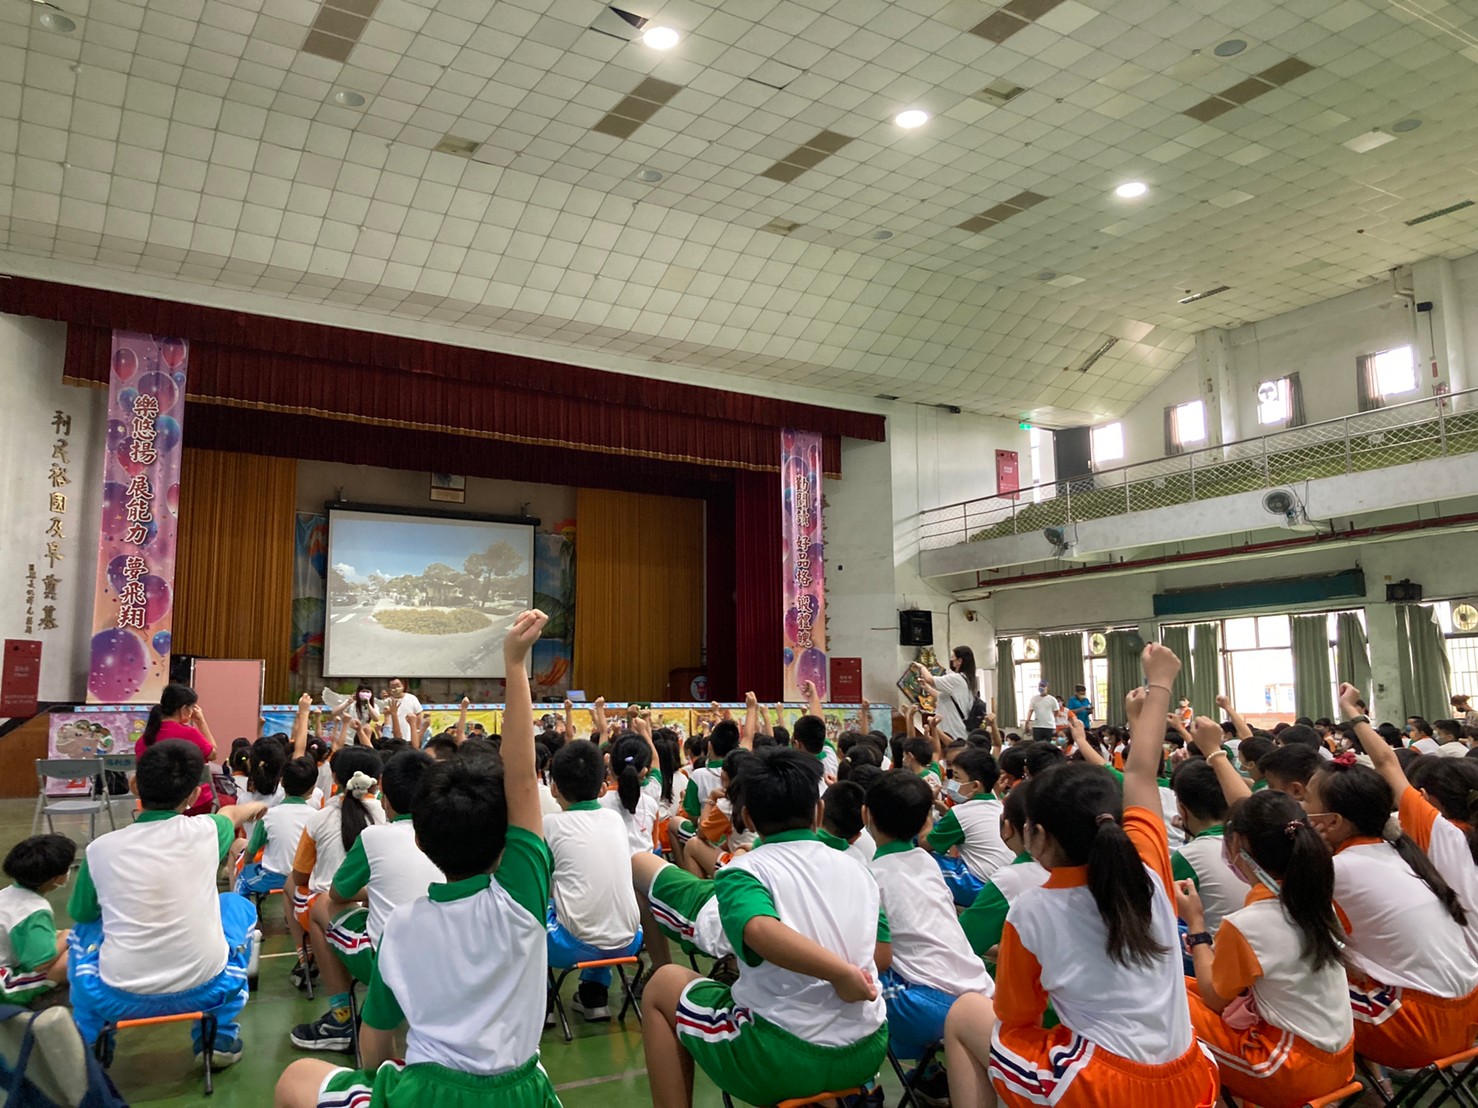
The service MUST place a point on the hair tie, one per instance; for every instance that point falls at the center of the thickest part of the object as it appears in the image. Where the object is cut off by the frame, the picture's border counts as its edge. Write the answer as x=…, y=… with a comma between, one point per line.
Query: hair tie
x=1106, y=817
x=629, y=759
x=1345, y=759
x=359, y=783
x=1291, y=828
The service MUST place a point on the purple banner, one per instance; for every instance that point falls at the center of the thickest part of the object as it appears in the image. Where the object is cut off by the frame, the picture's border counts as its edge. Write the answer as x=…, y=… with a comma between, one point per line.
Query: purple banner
x=803, y=588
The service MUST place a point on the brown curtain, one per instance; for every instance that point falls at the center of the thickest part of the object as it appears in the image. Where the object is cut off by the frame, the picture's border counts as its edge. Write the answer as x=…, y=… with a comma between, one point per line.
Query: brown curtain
x=1296, y=414
x=639, y=600
x=1172, y=434
x=1367, y=387
x=234, y=566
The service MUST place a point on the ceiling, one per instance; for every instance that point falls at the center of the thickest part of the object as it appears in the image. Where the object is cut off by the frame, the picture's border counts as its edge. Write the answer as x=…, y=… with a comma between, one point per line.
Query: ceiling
x=203, y=143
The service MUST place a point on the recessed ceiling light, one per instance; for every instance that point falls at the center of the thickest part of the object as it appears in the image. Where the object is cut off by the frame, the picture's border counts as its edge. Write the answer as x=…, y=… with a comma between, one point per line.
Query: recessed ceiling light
x=912, y=118
x=347, y=98
x=661, y=38
x=1406, y=125
x=1229, y=49
x=56, y=21
x=1131, y=189
x=650, y=176
x=882, y=235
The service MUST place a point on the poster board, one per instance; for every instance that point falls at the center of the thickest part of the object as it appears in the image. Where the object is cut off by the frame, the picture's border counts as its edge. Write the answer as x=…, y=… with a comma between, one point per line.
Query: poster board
x=230, y=692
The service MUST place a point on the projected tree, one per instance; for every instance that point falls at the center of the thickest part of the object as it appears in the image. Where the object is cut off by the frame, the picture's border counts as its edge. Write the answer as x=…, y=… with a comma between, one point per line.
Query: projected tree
x=499, y=560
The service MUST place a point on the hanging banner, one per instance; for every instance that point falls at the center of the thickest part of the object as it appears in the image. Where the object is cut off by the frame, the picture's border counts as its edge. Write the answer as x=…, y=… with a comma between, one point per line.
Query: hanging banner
x=134, y=606
x=803, y=588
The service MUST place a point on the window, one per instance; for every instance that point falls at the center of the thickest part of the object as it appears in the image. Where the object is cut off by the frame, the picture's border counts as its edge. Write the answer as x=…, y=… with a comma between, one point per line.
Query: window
x=1026, y=652
x=1395, y=372
x=1108, y=444
x=1459, y=622
x=1272, y=402
x=1189, y=422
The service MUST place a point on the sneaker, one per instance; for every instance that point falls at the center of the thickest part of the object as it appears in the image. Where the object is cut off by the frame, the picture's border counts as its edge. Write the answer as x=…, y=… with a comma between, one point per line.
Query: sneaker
x=300, y=975
x=592, y=1001
x=225, y=1054
x=326, y=1034
x=931, y=1087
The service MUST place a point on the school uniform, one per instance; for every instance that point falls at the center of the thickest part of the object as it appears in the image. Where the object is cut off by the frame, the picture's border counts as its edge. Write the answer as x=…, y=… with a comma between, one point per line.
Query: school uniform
x=1446, y=845
x=985, y=920
x=387, y=865
x=974, y=826
x=932, y=962
x=1200, y=860
x=152, y=936
x=1413, y=977
x=864, y=847
x=464, y=966
x=276, y=838
x=1125, y=1032
x=701, y=781
x=321, y=851
x=685, y=910
x=640, y=825
x=593, y=913
x=776, y=1034
x=27, y=944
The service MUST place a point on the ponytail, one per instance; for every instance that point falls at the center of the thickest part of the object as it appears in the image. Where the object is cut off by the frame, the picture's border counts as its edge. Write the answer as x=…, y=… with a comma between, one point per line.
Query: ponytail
x=1284, y=845
x=356, y=769
x=265, y=766
x=1079, y=806
x=631, y=757
x=1415, y=857
x=665, y=740
x=151, y=728
x=171, y=700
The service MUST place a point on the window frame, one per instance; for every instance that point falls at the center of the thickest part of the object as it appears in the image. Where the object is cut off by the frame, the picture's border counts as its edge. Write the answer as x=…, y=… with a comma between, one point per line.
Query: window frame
x=1284, y=402
x=1416, y=380
x=1093, y=434
x=1181, y=441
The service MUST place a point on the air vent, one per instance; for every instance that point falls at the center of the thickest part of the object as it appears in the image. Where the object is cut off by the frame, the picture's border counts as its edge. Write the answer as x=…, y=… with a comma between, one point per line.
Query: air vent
x=337, y=27
x=1004, y=210
x=998, y=92
x=1439, y=213
x=1203, y=295
x=778, y=226
x=1092, y=360
x=1015, y=16
x=462, y=147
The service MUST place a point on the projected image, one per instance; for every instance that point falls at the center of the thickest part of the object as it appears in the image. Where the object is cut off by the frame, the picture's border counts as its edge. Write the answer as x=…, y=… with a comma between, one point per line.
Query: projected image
x=423, y=597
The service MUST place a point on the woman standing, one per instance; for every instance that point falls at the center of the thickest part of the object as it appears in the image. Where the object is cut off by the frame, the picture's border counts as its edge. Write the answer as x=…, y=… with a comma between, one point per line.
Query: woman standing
x=178, y=716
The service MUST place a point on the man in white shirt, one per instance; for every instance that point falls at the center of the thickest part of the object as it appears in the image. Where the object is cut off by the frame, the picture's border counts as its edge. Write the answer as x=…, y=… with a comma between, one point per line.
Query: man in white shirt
x=405, y=706
x=1042, y=712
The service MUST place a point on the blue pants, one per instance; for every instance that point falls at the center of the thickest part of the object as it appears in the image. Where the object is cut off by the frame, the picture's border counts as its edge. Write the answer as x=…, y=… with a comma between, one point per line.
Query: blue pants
x=964, y=886
x=565, y=951
x=916, y=1014
x=256, y=881
x=94, y=1002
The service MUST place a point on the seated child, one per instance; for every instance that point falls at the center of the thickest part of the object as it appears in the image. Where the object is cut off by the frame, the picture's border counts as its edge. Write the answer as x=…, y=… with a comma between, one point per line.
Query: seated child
x=702, y=780
x=717, y=838
x=152, y=935
x=812, y=1025
x=973, y=826
x=33, y=955
x=630, y=759
x=463, y=967
x=918, y=759
x=985, y=920
x=932, y=963
x=329, y=833
x=276, y=835
x=1269, y=997
x=843, y=826
x=809, y=735
x=594, y=914
x=381, y=871
x=1289, y=768
x=1249, y=753
x=1202, y=807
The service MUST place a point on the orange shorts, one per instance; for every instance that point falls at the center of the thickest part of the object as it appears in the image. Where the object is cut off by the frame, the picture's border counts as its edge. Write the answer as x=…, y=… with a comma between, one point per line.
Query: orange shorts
x=302, y=903
x=1032, y=1066
x=1406, y=1030
x=1265, y=1065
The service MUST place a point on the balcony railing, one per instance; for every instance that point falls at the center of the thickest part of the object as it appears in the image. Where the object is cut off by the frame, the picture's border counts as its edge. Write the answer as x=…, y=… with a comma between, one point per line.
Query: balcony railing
x=1432, y=427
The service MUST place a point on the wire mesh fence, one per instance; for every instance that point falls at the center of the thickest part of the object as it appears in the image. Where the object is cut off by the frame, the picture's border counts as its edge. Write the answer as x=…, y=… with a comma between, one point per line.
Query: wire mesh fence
x=1435, y=427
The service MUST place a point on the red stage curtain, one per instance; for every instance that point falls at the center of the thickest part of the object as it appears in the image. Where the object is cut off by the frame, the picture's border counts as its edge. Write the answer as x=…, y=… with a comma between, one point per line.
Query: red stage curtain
x=759, y=624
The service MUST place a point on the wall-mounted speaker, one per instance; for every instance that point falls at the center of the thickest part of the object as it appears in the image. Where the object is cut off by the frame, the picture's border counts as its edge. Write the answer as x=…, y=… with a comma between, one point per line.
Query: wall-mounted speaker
x=915, y=628
x=1403, y=592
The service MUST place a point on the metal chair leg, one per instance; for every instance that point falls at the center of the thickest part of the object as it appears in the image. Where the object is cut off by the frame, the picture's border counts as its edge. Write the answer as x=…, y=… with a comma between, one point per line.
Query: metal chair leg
x=208, y=1027
x=555, y=985
x=354, y=1024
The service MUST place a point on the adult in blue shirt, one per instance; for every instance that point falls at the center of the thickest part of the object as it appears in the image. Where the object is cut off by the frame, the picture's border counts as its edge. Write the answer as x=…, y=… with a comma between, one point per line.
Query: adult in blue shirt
x=1079, y=704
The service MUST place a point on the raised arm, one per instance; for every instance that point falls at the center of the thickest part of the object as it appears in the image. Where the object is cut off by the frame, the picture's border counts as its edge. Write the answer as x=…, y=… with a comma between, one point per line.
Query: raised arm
x=300, y=725
x=1208, y=738
x=813, y=700
x=520, y=783
x=766, y=728
x=751, y=721
x=1239, y=724
x=1146, y=709
x=598, y=711
x=1381, y=756
x=1080, y=740
x=461, y=728
x=197, y=720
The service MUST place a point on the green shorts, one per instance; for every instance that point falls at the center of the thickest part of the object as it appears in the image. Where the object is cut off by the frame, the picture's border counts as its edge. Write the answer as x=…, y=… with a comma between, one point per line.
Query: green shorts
x=755, y=1061
x=685, y=911
x=348, y=936
x=397, y=1085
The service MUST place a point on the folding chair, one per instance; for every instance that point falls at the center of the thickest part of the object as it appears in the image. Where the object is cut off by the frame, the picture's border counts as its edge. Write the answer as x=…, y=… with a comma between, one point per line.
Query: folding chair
x=103, y=1048
x=930, y=1053
x=801, y=1101
x=1339, y=1098
x=70, y=769
x=629, y=998
x=125, y=764
x=1455, y=1086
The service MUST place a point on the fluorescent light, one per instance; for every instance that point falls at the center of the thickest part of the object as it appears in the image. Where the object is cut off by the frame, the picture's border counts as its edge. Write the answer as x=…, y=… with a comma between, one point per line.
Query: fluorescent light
x=1130, y=189
x=661, y=38
x=912, y=118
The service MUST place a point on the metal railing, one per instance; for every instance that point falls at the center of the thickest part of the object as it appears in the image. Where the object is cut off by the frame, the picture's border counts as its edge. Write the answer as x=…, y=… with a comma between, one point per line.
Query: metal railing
x=1432, y=427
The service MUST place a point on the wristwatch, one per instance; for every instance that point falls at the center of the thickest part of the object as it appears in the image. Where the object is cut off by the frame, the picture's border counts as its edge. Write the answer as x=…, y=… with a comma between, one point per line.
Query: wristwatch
x=1197, y=938
x=1357, y=719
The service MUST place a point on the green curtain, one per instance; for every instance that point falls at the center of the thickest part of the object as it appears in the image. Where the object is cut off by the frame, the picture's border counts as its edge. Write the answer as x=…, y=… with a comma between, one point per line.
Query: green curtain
x=1311, y=681
x=1351, y=655
x=1006, y=715
x=1426, y=672
x=1062, y=663
x=1206, y=669
x=1178, y=639
x=1124, y=674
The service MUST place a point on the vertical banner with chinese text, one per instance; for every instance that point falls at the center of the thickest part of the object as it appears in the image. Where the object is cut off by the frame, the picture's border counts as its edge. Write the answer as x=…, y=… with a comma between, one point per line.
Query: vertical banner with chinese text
x=134, y=606
x=803, y=588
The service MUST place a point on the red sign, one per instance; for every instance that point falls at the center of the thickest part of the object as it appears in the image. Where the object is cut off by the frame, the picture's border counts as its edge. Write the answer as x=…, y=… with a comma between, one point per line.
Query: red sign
x=1008, y=473
x=20, y=677
x=846, y=680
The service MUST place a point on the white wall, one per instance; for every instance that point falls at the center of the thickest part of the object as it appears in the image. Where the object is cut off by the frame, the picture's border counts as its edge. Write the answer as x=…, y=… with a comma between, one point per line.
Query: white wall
x=31, y=370
x=319, y=482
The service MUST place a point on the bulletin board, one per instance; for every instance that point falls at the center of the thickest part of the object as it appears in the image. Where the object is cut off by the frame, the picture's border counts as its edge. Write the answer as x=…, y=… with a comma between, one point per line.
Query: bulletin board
x=230, y=692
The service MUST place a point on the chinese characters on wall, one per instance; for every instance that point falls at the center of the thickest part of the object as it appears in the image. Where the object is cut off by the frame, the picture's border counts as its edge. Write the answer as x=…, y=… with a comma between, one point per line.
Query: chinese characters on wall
x=57, y=479
x=804, y=579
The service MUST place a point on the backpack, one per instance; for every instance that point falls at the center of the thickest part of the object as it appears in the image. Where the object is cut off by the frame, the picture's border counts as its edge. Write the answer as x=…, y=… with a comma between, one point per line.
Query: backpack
x=45, y=1064
x=975, y=715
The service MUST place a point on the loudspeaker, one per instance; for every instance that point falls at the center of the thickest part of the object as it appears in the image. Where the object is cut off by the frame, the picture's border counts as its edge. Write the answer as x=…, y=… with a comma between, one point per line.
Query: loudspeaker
x=1403, y=592
x=915, y=628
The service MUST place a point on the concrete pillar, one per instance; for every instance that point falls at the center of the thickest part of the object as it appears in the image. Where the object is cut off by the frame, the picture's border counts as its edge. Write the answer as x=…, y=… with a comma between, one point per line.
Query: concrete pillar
x=1440, y=350
x=1384, y=694
x=1213, y=360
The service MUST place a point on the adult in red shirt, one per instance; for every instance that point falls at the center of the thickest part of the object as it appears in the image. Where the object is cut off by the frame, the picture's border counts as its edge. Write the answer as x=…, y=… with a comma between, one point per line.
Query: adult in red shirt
x=178, y=716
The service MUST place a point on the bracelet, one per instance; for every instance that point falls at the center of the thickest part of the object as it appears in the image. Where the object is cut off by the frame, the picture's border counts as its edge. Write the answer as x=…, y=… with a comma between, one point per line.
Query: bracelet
x=1353, y=720
x=1214, y=753
x=1165, y=687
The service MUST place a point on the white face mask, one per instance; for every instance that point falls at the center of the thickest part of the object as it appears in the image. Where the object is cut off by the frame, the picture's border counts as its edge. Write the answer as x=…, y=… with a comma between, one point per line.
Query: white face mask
x=952, y=790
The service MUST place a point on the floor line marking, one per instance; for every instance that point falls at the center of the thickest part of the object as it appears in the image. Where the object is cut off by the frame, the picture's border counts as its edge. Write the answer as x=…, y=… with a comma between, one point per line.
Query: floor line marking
x=588, y=1081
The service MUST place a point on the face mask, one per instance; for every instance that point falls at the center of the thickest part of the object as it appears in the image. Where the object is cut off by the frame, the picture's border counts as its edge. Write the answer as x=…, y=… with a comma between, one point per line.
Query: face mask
x=364, y=696
x=953, y=791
